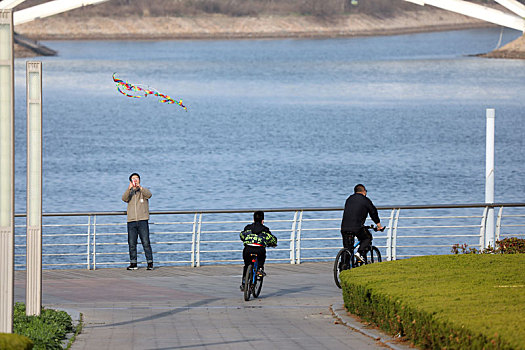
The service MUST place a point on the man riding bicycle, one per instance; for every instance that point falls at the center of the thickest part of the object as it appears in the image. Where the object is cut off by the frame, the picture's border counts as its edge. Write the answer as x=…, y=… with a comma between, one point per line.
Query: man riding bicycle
x=256, y=237
x=357, y=207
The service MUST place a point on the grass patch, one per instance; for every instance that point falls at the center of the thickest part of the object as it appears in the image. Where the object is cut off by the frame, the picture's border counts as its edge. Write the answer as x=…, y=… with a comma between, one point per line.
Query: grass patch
x=452, y=301
x=45, y=331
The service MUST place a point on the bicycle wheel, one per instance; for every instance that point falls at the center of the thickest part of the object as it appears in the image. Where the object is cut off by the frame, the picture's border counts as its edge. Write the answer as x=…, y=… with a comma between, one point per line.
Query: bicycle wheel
x=343, y=261
x=248, y=283
x=373, y=256
x=257, y=286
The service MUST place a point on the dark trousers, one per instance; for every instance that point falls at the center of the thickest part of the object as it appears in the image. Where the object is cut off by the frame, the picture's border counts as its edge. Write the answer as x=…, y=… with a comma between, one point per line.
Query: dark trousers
x=139, y=229
x=247, y=256
x=363, y=235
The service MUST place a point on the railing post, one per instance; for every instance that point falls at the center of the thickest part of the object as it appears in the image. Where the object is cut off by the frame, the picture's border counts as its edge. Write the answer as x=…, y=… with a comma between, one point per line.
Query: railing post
x=193, y=240
x=389, y=236
x=292, y=239
x=498, y=223
x=88, y=243
x=482, y=229
x=94, y=242
x=298, y=243
x=394, y=236
x=198, y=252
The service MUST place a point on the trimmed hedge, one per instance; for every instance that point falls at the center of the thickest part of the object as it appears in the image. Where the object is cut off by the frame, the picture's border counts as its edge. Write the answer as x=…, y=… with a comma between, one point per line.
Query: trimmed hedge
x=467, y=301
x=15, y=342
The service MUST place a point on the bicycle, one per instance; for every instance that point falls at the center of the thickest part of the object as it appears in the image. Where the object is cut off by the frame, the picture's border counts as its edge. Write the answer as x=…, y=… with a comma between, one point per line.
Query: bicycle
x=346, y=258
x=253, y=280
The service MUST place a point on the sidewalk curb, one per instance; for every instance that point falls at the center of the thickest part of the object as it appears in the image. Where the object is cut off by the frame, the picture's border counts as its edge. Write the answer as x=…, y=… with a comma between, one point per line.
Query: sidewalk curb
x=75, y=321
x=340, y=313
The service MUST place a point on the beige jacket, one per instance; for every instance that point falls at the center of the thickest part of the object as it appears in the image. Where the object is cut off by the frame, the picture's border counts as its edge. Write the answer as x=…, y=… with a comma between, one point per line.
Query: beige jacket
x=138, y=205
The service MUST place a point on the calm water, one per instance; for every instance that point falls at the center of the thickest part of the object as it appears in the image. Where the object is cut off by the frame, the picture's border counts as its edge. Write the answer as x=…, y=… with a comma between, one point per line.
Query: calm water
x=278, y=123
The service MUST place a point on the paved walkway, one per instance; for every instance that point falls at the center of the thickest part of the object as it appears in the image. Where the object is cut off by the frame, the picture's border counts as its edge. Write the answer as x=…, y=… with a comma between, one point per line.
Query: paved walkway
x=202, y=308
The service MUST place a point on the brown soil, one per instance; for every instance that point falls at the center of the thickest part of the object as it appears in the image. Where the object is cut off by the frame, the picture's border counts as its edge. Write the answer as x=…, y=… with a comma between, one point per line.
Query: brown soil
x=514, y=49
x=221, y=26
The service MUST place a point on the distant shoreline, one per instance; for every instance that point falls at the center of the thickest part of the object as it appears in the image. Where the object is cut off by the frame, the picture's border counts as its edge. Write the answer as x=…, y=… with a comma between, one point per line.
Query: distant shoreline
x=256, y=35
x=220, y=27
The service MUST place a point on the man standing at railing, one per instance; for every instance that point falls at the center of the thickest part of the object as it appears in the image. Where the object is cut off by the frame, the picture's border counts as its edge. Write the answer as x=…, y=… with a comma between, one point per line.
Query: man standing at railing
x=357, y=207
x=138, y=215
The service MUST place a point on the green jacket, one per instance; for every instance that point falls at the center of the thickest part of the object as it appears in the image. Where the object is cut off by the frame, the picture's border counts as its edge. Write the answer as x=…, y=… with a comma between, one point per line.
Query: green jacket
x=257, y=233
x=138, y=205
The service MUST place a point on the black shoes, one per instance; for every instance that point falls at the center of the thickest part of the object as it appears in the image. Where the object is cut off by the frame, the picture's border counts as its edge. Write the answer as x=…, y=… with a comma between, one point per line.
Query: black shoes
x=132, y=266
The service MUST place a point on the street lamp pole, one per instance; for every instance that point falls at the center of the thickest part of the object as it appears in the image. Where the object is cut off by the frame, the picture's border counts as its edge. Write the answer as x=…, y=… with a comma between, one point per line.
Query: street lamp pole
x=7, y=168
x=34, y=189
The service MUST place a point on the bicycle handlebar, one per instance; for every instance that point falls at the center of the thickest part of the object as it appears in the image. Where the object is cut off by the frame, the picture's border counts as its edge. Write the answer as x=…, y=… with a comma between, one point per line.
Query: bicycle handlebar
x=374, y=227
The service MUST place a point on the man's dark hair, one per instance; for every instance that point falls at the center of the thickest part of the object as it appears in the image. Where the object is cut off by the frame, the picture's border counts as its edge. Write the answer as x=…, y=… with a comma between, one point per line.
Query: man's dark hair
x=258, y=216
x=134, y=174
x=359, y=188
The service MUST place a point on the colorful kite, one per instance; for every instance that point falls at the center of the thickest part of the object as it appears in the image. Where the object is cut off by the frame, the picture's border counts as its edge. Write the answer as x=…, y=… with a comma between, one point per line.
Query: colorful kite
x=137, y=91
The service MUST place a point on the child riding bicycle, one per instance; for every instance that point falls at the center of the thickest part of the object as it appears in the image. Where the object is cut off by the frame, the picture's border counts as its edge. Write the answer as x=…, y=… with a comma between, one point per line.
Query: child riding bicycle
x=256, y=237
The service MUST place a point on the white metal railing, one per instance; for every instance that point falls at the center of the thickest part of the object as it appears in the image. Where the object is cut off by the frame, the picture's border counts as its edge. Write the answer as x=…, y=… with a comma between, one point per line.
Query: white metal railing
x=99, y=239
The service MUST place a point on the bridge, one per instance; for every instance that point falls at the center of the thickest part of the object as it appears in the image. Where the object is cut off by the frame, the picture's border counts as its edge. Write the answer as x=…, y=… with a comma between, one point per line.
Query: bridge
x=513, y=18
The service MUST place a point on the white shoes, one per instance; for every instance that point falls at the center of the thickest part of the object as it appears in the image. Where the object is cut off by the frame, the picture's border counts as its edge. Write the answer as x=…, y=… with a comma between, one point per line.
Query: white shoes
x=359, y=257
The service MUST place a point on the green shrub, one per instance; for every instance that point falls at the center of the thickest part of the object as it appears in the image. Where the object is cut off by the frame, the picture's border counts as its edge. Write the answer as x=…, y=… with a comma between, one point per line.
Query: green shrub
x=47, y=330
x=15, y=342
x=473, y=301
x=510, y=245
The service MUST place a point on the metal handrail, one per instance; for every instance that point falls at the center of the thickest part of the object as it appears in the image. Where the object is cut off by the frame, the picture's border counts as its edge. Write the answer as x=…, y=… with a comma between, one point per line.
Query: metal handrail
x=277, y=210
x=205, y=238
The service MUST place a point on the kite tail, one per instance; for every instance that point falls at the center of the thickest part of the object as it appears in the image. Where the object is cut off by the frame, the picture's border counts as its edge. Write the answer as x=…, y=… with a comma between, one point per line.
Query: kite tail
x=183, y=106
x=123, y=86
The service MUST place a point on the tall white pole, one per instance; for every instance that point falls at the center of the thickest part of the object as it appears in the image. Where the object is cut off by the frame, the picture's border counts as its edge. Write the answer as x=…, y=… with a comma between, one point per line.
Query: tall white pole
x=7, y=175
x=34, y=189
x=489, y=177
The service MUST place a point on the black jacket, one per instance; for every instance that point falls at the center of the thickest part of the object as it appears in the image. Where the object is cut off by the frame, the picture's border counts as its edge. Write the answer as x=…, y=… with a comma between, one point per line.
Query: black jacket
x=357, y=208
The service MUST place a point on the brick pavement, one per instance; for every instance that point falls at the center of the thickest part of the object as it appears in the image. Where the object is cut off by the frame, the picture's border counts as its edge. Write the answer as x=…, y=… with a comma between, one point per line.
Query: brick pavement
x=202, y=308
